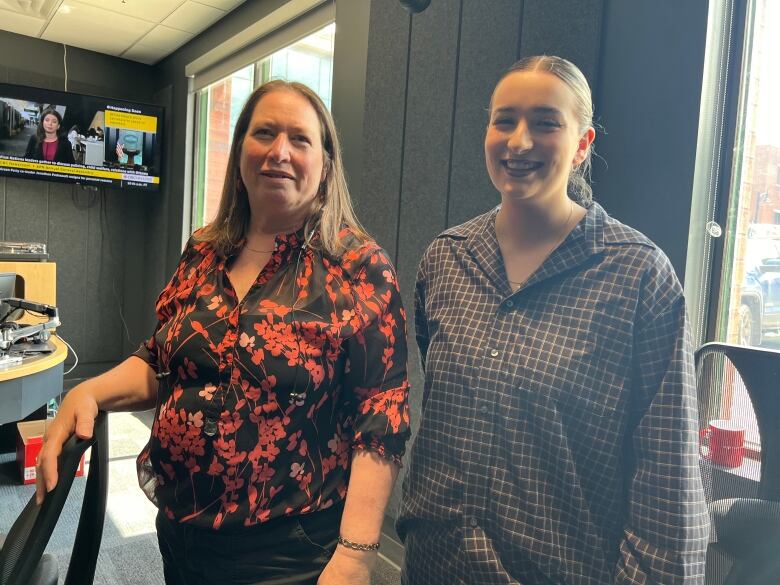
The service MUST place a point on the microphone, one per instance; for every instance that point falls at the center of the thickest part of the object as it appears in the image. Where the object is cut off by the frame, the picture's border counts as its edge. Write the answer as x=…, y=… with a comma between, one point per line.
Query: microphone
x=415, y=6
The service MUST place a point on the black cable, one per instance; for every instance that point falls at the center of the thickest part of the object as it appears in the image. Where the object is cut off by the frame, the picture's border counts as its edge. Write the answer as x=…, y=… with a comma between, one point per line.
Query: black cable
x=295, y=397
x=112, y=259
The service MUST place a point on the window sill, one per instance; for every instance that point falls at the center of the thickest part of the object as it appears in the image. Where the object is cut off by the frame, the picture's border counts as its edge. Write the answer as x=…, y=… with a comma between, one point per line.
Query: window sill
x=731, y=482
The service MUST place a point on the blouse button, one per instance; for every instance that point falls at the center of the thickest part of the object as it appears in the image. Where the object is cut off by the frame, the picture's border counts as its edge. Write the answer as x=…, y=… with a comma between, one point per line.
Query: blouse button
x=494, y=353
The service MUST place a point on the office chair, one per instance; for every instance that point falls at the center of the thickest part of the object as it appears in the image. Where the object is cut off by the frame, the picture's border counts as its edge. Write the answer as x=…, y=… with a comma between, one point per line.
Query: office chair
x=22, y=560
x=745, y=515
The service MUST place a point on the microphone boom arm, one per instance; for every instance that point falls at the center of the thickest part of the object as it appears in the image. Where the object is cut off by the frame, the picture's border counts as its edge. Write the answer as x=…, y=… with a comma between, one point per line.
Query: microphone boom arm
x=9, y=336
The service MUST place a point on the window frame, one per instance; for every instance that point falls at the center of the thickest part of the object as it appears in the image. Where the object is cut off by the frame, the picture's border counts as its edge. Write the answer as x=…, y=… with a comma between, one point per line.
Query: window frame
x=717, y=183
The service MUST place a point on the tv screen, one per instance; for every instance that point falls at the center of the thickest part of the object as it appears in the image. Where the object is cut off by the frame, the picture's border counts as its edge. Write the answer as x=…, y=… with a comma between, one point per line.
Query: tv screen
x=58, y=136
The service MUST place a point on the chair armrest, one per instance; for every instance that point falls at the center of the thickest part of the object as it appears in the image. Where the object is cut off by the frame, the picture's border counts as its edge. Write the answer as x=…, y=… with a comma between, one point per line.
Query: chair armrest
x=743, y=525
x=29, y=535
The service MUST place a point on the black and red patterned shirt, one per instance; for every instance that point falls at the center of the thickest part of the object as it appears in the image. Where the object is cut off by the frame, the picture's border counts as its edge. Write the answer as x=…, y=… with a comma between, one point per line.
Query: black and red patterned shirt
x=261, y=402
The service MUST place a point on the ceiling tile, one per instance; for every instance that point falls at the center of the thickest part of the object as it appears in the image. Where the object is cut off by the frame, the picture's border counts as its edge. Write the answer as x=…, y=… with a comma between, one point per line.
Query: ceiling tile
x=20, y=23
x=151, y=10
x=158, y=43
x=89, y=27
x=226, y=5
x=142, y=54
x=36, y=8
x=193, y=17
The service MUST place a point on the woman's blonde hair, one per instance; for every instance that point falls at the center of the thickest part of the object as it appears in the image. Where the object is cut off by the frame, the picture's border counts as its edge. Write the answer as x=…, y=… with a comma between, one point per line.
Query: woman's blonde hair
x=578, y=187
x=333, y=210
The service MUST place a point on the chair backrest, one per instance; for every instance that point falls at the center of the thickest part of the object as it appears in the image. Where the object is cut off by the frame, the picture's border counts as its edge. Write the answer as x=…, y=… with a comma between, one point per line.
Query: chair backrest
x=759, y=370
x=25, y=543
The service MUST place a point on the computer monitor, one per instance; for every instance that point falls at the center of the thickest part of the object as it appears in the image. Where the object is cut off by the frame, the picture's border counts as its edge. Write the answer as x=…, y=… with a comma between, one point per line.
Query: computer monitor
x=8, y=290
x=7, y=285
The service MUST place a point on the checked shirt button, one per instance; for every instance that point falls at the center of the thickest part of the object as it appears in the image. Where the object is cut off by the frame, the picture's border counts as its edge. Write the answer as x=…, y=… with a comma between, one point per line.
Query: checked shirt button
x=473, y=522
x=494, y=353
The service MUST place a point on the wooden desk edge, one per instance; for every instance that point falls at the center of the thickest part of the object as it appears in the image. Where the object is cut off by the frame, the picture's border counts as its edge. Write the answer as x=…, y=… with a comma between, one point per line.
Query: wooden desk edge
x=33, y=365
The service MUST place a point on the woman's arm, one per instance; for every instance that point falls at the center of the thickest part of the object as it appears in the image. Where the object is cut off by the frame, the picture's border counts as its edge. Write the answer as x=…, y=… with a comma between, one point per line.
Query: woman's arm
x=667, y=524
x=131, y=385
x=370, y=485
x=378, y=378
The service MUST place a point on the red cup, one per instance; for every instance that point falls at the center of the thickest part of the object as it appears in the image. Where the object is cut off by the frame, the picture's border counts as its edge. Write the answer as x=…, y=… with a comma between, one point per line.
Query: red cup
x=723, y=443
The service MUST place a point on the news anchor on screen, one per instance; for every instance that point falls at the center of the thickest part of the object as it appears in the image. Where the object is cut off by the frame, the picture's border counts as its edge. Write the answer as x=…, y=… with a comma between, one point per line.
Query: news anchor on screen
x=47, y=143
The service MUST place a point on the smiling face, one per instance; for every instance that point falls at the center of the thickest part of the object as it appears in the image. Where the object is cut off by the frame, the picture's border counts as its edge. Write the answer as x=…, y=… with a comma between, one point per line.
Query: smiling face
x=282, y=162
x=50, y=125
x=533, y=140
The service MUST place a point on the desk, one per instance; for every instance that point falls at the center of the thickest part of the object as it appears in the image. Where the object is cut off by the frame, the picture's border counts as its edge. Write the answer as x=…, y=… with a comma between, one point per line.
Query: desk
x=29, y=385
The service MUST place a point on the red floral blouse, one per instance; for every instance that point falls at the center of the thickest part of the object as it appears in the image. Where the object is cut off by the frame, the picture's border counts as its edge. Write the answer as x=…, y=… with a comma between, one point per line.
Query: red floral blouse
x=261, y=402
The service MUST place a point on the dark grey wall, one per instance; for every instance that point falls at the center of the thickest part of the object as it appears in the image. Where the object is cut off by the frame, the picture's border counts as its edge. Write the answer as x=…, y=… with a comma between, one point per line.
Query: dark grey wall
x=97, y=239
x=648, y=98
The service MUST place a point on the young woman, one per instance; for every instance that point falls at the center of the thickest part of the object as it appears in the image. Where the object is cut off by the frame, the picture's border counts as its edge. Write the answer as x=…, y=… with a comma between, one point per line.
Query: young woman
x=558, y=438
x=47, y=144
x=278, y=371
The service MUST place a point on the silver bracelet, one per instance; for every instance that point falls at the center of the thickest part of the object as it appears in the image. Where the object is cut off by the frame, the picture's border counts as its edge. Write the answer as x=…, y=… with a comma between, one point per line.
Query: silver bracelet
x=357, y=545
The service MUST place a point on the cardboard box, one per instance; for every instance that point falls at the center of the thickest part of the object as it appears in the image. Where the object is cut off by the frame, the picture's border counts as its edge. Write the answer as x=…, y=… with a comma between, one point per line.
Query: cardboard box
x=28, y=444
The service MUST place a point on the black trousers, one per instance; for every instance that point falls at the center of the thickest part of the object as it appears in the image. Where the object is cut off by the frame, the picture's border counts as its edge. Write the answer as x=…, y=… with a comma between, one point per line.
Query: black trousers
x=283, y=551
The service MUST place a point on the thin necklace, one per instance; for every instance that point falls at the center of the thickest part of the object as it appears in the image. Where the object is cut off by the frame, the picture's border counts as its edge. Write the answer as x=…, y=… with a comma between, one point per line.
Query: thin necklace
x=565, y=233
x=259, y=251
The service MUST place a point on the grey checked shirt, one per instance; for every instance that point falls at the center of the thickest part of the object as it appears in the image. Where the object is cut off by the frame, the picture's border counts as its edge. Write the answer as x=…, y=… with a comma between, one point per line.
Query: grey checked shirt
x=558, y=439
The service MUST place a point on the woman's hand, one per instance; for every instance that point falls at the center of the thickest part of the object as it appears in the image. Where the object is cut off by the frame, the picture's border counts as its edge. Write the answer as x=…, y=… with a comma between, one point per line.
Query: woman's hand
x=76, y=415
x=348, y=567
x=130, y=386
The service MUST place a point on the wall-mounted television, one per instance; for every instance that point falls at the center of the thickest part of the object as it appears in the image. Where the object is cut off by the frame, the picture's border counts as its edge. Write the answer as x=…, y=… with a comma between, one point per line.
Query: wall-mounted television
x=63, y=136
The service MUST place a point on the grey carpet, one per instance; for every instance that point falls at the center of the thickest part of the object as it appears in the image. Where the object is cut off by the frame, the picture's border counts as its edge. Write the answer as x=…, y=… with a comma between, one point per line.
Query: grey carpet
x=128, y=552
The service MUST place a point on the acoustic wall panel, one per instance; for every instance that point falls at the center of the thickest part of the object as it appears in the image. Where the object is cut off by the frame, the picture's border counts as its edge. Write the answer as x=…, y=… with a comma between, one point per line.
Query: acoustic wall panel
x=568, y=29
x=67, y=245
x=383, y=130
x=26, y=202
x=488, y=45
x=433, y=70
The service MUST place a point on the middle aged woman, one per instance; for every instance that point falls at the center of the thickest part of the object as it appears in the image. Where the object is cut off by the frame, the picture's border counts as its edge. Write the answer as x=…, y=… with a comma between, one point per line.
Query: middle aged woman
x=47, y=143
x=278, y=370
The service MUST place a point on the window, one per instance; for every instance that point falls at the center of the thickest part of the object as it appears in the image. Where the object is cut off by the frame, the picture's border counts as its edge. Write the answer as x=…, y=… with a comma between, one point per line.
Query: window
x=750, y=309
x=218, y=107
x=744, y=301
x=309, y=61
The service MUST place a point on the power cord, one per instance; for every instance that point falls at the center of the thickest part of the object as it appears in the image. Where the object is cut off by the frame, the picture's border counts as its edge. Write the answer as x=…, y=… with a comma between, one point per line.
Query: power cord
x=75, y=355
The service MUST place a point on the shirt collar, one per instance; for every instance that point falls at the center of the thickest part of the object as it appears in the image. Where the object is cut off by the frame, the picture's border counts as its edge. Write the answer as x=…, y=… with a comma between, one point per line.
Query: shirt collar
x=283, y=243
x=584, y=241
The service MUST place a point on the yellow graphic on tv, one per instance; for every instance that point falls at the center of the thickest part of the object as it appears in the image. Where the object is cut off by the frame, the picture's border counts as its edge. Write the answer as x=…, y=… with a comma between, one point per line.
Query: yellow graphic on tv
x=53, y=169
x=131, y=121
